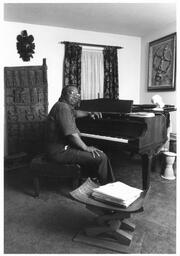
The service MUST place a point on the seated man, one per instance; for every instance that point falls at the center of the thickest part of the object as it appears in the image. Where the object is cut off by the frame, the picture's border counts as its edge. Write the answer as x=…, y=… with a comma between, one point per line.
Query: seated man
x=64, y=143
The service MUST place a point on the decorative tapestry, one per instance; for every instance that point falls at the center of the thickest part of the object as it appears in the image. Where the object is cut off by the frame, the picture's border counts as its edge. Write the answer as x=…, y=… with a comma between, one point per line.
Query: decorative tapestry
x=26, y=107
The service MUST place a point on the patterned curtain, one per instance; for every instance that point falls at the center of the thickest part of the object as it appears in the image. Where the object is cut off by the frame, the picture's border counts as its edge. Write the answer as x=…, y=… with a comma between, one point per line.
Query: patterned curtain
x=111, y=86
x=72, y=65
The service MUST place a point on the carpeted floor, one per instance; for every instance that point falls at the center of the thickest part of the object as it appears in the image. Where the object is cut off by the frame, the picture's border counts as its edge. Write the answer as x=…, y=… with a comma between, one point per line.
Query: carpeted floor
x=48, y=224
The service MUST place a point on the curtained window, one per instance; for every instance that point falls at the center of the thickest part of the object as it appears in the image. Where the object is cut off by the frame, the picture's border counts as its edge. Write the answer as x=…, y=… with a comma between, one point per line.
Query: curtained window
x=92, y=73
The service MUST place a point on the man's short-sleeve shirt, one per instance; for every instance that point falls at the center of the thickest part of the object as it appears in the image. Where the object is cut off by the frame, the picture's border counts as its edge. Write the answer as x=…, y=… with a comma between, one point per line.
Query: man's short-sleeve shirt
x=60, y=123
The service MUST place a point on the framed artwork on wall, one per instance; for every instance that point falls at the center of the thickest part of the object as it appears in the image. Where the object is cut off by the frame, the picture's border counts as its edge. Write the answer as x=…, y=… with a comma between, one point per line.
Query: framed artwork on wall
x=162, y=64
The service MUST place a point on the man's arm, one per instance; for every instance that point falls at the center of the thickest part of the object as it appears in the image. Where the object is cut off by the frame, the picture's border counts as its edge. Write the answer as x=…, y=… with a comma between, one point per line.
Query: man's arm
x=81, y=113
x=76, y=141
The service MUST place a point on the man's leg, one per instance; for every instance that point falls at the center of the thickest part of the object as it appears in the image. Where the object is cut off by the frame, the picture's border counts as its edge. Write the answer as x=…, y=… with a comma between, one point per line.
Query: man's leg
x=100, y=164
x=105, y=172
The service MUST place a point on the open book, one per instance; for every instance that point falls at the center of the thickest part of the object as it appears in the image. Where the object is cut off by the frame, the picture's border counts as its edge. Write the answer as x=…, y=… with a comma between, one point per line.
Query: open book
x=117, y=193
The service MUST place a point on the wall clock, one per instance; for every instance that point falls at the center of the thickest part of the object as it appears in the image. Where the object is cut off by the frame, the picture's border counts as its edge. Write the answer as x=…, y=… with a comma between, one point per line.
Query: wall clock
x=25, y=45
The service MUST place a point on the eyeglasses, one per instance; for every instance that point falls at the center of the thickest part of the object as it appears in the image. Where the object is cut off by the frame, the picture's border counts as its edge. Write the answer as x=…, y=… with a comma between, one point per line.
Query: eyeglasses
x=75, y=94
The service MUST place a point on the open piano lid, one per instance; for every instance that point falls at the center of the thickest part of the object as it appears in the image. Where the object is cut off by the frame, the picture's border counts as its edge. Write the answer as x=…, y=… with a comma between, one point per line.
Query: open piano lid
x=107, y=105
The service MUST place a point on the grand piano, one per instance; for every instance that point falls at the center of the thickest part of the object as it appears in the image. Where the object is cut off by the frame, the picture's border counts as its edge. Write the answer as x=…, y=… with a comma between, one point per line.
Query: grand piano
x=142, y=134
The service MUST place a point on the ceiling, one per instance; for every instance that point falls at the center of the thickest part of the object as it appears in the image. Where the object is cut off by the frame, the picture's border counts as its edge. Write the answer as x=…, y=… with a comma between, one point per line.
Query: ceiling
x=135, y=19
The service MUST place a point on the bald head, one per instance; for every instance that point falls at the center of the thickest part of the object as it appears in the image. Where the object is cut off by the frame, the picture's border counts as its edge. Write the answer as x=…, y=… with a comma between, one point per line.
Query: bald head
x=68, y=90
x=71, y=95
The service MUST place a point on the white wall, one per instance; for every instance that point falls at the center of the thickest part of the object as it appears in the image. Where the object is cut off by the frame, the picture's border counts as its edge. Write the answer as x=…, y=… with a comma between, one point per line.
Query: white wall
x=133, y=58
x=169, y=97
x=46, y=46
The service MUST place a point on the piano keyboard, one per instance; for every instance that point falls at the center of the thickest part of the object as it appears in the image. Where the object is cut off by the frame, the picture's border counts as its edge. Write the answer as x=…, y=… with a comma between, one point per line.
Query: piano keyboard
x=95, y=136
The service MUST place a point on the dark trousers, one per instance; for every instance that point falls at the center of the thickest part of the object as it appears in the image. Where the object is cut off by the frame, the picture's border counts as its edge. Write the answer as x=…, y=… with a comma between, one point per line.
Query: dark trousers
x=99, y=166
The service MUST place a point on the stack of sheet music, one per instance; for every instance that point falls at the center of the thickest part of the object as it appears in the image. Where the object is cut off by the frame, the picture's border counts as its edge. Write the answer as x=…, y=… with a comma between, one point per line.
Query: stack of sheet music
x=142, y=114
x=116, y=193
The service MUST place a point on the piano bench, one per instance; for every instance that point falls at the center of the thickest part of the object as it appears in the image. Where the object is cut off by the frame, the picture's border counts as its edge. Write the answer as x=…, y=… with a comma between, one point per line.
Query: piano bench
x=41, y=167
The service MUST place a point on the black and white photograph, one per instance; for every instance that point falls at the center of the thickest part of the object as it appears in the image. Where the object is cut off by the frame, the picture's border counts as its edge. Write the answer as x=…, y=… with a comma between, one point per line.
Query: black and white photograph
x=89, y=127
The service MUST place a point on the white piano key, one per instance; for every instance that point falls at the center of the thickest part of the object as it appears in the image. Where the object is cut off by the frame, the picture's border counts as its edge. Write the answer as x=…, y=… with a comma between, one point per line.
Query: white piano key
x=95, y=136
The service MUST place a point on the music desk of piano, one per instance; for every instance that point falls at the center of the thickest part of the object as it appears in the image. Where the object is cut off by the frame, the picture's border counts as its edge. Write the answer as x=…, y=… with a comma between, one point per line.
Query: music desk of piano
x=143, y=135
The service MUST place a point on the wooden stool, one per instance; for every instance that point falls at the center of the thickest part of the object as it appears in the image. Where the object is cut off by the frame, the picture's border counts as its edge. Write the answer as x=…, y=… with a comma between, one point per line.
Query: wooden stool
x=111, y=222
x=112, y=229
x=40, y=166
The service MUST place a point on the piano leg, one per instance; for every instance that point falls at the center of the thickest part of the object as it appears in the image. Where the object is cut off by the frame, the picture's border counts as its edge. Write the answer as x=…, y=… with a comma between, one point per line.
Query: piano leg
x=146, y=169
